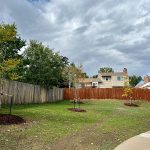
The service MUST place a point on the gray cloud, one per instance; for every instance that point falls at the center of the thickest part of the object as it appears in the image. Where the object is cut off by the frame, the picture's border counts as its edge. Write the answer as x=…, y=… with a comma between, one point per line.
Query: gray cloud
x=96, y=33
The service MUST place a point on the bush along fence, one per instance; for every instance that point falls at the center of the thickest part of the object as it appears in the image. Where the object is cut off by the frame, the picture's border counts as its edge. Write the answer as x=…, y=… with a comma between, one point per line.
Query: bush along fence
x=24, y=93
x=106, y=93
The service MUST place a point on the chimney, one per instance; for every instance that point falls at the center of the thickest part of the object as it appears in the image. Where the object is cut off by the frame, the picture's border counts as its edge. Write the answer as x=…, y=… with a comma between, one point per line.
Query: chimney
x=146, y=79
x=125, y=70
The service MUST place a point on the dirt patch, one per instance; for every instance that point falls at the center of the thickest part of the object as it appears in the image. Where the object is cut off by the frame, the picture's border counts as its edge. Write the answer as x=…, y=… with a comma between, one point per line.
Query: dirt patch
x=77, y=102
x=77, y=109
x=132, y=104
x=7, y=119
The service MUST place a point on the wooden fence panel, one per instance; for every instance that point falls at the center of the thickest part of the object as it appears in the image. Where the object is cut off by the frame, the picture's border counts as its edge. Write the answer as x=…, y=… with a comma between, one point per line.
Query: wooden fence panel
x=106, y=93
x=27, y=93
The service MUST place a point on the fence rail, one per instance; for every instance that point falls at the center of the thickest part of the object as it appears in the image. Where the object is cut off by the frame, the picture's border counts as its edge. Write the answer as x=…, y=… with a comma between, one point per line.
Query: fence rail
x=105, y=93
x=27, y=93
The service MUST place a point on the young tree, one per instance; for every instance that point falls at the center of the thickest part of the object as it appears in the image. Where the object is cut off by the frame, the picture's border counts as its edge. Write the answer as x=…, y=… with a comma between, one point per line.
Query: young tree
x=128, y=91
x=73, y=74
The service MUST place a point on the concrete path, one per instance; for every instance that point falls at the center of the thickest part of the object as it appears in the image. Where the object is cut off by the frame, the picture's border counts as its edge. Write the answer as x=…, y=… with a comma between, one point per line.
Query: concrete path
x=139, y=142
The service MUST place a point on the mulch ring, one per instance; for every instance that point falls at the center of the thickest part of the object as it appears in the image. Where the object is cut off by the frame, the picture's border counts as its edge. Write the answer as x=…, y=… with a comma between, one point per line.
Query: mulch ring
x=131, y=104
x=77, y=109
x=77, y=102
x=7, y=119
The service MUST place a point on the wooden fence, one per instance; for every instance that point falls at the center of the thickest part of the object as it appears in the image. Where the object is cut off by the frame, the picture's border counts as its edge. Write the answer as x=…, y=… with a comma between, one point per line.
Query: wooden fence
x=27, y=93
x=105, y=93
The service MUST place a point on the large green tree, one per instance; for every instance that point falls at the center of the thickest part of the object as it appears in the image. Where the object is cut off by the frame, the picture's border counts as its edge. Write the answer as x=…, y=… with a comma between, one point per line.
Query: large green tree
x=106, y=70
x=10, y=42
x=10, y=45
x=134, y=80
x=42, y=65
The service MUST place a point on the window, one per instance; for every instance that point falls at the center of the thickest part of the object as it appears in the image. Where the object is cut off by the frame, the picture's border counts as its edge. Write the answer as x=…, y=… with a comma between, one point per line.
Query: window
x=119, y=78
x=107, y=78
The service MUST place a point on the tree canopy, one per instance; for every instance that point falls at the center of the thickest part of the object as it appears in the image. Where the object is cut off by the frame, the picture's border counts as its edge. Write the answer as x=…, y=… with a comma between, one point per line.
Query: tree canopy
x=134, y=80
x=95, y=76
x=10, y=42
x=106, y=70
x=42, y=65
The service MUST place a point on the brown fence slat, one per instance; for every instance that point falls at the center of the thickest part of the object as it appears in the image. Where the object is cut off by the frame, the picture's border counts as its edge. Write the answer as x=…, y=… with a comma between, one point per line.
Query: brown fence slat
x=106, y=93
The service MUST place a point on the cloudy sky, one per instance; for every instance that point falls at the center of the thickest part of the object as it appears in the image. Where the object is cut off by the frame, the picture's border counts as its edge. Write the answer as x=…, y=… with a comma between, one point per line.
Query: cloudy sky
x=96, y=33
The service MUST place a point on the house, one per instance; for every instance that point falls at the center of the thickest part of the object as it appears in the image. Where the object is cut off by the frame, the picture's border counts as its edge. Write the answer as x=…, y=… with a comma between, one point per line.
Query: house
x=146, y=84
x=106, y=80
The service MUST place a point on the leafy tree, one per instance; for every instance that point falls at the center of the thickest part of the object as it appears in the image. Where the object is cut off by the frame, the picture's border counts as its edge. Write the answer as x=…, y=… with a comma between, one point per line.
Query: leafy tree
x=85, y=75
x=10, y=42
x=43, y=66
x=95, y=76
x=73, y=74
x=134, y=80
x=106, y=70
x=8, y=69
x=128, y=91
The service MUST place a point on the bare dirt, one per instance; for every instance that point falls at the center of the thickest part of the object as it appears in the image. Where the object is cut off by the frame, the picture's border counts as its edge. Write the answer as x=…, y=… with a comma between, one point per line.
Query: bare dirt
x=77, y=109
x=131, y=104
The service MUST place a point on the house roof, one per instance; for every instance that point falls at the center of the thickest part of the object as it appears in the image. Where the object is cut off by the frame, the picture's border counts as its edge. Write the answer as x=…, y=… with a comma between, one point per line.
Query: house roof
x=139, y=84
x=87, y=80
x=146, y=85
x=113, y=74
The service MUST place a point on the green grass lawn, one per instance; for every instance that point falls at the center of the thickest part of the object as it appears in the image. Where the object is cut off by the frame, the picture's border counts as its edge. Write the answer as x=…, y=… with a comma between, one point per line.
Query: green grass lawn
x=106, y=124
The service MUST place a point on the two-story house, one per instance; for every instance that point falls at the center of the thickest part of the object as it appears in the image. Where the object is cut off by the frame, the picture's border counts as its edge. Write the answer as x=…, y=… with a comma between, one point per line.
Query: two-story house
x=106, y=80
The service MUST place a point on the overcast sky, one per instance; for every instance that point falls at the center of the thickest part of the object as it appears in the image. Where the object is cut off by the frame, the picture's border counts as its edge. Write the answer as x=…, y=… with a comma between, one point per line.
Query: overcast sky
x=96, y=33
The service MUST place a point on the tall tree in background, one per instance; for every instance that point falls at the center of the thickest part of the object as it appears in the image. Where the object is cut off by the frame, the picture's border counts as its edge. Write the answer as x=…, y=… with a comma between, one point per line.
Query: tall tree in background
x=134, y=80
x=10, y=45
x=85, y=75
x=106, y=70
x=42, y=66
x=94, y=76
x=10, y=42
